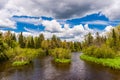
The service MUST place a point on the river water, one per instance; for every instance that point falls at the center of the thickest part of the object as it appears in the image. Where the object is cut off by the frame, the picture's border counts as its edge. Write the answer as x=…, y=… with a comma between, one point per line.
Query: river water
x=46, y=69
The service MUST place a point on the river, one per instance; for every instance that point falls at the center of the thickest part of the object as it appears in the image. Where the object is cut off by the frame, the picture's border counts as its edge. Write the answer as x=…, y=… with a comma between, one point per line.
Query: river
x=45, y=69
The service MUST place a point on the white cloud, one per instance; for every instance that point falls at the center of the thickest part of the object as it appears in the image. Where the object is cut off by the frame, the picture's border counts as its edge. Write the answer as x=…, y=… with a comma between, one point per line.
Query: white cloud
x=61, y=9
x=76, y=33
x=108, y=28
x=52, y=26
x=31, y=30
x=5, y=19
x=28, y=20
x=98, y=22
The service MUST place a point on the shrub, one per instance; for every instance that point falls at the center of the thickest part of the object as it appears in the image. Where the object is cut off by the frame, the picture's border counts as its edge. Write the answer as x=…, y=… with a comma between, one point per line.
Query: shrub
x=23, y=55
x=61, y=53
x=99, y=52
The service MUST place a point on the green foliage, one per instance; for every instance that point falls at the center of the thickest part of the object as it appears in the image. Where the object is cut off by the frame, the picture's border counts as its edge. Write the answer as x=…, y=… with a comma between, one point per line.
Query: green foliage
x=61, y=53
x=99, y=52
x=112, y=63
x=20, y=63
x=20, y=55
x=21, y=40
x=62, y=60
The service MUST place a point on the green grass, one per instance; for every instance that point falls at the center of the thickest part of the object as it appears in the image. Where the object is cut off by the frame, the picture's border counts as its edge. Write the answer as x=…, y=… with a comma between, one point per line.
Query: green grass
x=113, y=63
x=62, y=60
x=20, y=63
x=20, y=56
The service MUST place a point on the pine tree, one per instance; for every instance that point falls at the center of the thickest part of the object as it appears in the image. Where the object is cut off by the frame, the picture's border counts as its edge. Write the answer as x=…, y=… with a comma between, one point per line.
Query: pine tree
x=21, y=40
x=114, y=37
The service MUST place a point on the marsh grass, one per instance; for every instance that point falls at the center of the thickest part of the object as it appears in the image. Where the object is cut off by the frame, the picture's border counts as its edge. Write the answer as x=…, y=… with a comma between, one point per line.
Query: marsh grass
x=20, y=56
x=113, y=63
x=63, y=60
x=20, y=63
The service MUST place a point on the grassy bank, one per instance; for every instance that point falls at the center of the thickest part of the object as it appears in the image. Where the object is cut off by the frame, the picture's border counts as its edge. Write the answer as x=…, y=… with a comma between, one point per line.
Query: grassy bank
x=62, y=60
x=20, y=56
x=113, y=63
x=20, y=63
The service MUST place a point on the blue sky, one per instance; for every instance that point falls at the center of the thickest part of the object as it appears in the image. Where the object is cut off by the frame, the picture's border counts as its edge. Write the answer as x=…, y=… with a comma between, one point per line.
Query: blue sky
x=69, y=20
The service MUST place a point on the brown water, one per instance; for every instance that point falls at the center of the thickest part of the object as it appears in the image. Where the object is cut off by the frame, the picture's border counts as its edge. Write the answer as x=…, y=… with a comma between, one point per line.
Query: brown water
x=45, y=69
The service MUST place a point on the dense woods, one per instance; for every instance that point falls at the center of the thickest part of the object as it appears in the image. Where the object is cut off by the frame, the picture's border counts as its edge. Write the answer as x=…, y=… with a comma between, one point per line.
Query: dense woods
x=21, y=49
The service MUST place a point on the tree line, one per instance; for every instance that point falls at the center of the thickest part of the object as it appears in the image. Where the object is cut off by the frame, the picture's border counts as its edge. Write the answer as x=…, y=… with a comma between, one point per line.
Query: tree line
x=10, y=41
x=103, y=46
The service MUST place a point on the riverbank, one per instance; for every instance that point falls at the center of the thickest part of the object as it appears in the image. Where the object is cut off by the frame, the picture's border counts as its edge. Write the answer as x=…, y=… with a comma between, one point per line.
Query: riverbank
x=113, y=63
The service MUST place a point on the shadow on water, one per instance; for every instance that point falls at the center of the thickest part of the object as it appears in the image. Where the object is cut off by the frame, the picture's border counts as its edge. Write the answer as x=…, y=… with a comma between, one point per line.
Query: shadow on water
x=45, y=69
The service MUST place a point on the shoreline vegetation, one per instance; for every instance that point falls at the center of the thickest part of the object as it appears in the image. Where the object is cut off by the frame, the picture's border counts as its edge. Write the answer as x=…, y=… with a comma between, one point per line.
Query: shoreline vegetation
x=62, y=60
x=21, y=50
x=61, y=55
x=103, y=50
x=113, y=63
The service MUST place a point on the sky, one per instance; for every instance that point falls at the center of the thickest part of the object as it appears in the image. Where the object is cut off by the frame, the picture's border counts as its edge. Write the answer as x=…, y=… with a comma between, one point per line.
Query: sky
x=69, y=20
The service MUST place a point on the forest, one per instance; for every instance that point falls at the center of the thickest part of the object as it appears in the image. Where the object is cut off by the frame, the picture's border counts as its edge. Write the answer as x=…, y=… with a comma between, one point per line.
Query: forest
x=21, y=50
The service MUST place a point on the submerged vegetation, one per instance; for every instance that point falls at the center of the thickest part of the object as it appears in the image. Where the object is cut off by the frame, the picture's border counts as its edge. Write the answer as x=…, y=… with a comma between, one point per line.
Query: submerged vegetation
x=103, y=50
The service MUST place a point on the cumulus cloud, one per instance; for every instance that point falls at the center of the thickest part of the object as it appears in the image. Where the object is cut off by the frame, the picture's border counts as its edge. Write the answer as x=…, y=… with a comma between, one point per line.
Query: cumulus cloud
x=76, y=33
x=52, y=26
x=60, y=9
x=5, y=20
x=106, y=30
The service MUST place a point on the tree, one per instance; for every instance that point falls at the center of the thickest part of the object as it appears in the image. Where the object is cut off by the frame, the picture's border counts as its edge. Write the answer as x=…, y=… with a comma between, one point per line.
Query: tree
x=89, y=39
x=39, y=40
x=21, y=40
x=98, y=39
x=114, y=37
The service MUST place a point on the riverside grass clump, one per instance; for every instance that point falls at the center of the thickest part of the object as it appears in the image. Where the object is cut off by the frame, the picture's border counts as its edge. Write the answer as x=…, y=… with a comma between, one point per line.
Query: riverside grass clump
x=61, y=55
x=113, y=63
x=20, y=56
x=62, y=60
x=20, y=63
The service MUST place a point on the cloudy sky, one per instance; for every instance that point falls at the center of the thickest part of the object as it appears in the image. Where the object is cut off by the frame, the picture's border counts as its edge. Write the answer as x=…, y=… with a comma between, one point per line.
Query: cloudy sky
x=68, y=19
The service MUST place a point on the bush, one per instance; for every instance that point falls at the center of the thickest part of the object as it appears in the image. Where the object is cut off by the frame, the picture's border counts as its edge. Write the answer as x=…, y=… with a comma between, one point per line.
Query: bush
x=61, y=53
x=99, y=52
x=21, y=55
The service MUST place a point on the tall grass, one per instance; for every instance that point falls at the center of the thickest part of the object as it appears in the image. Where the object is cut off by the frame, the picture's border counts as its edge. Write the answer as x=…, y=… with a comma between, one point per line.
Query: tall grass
x=113, y=63
x=21, y=56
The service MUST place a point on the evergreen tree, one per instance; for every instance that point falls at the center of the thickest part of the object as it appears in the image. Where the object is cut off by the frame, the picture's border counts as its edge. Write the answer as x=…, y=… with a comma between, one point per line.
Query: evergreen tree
x=21, y=40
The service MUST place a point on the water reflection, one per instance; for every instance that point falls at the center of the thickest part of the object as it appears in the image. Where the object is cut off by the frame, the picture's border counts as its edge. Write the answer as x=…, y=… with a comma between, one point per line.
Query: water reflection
x=46, y=69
